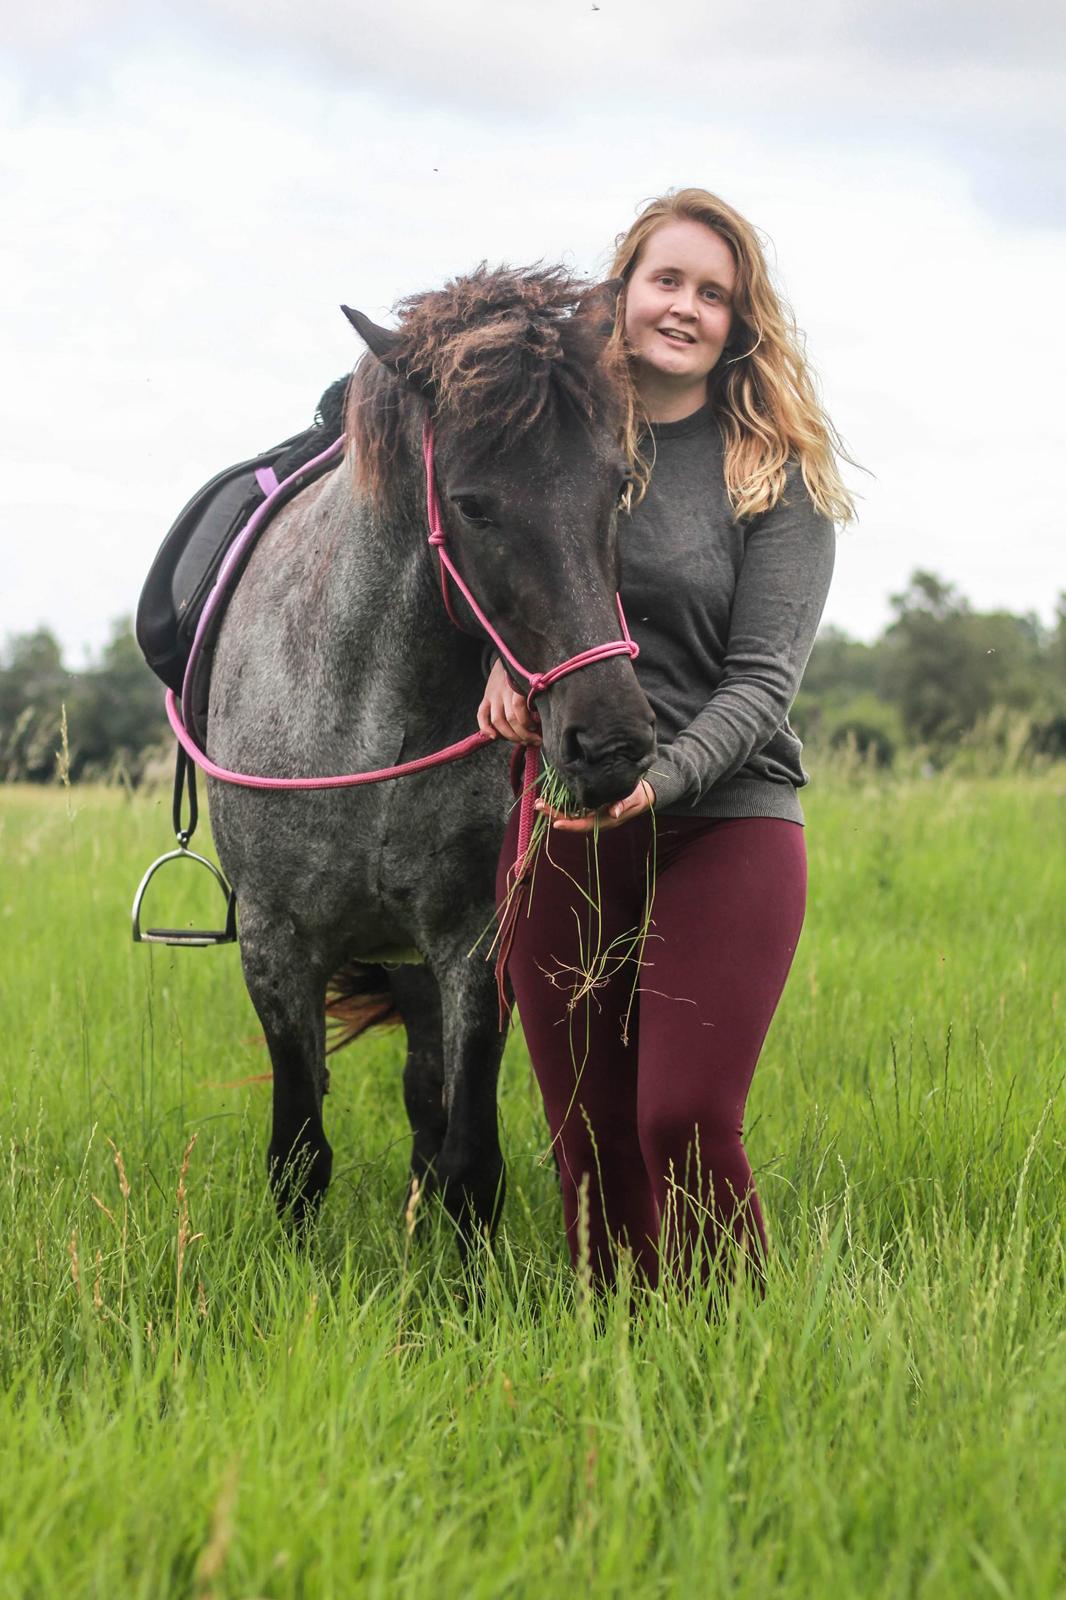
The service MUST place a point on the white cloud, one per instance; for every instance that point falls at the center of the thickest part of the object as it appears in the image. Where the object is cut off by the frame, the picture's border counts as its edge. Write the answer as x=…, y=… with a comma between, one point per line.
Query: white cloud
x=984, y=82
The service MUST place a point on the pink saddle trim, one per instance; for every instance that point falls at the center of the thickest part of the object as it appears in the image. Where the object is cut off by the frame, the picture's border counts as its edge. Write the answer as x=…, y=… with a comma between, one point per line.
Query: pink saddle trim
x=233, y=558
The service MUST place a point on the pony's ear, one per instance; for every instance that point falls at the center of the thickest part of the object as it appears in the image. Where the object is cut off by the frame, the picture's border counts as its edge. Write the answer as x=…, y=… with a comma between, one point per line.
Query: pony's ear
x=600, y=305
x=383, y=343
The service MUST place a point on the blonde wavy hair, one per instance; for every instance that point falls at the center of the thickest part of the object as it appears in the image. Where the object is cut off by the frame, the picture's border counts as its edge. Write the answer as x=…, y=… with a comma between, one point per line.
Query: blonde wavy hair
x=763, y=391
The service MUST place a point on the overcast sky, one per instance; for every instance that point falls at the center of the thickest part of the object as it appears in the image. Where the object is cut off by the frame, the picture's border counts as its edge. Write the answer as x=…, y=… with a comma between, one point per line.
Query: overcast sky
x=191, y=190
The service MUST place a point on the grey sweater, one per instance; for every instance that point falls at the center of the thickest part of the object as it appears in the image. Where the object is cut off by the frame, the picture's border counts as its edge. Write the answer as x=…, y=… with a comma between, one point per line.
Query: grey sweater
x=725, y=615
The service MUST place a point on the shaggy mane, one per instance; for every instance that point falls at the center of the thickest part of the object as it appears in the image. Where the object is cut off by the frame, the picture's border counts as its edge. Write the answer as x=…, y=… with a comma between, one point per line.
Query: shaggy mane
x=501, y=351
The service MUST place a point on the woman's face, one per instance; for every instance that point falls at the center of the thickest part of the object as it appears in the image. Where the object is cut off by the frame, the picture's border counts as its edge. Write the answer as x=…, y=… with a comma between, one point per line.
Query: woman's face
x=679, y=310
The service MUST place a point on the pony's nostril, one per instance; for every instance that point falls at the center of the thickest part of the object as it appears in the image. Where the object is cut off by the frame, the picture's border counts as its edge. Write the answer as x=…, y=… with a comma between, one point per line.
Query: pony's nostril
x=573, y=746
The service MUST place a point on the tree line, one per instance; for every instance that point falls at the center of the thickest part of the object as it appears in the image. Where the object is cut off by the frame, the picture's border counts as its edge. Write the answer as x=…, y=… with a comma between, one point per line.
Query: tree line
x=939, y=672
x=103, y=722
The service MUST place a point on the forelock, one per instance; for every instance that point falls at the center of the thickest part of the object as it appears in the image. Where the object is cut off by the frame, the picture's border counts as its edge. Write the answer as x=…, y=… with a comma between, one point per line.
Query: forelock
x=505, y=351
x=507, y=354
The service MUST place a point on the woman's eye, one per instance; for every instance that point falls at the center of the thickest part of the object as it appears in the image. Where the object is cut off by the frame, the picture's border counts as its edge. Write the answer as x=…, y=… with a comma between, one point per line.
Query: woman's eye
x=471, y=510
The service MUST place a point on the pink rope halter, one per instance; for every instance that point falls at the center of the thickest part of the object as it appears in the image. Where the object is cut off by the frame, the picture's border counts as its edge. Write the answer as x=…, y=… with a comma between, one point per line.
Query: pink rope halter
x=538, y=682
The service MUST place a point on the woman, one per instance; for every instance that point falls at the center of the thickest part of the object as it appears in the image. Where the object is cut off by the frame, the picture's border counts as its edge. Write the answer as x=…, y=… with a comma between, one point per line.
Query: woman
x=726, y=562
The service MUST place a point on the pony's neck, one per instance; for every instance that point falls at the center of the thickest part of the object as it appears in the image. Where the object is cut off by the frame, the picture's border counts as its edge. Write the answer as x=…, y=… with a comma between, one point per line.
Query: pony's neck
x=385, y=598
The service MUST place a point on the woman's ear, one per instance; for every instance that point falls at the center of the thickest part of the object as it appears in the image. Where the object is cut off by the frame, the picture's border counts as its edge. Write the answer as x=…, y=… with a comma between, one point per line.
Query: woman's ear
x=743, y=339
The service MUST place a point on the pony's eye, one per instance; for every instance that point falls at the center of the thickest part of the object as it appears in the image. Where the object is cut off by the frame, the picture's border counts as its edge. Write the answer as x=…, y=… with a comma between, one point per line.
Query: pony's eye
x=471, y=510
x=625, y=494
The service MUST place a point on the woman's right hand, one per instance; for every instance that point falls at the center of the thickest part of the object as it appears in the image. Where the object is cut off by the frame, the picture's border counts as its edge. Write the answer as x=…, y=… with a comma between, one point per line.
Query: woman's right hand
x=503, y=713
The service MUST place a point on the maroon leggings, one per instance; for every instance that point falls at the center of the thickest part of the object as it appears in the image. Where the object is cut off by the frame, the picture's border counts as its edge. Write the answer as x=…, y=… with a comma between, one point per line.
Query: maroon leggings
x=651, y=1128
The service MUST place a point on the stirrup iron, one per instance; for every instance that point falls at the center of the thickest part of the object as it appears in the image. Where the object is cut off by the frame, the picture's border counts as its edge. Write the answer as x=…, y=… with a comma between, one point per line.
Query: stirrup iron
x=185, y=776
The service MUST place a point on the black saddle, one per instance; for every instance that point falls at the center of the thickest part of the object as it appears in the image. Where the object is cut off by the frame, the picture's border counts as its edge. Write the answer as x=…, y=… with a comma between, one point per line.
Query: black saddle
x=184, y=570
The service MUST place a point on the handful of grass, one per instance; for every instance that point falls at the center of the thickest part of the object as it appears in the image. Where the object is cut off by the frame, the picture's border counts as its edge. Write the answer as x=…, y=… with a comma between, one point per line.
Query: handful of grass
x=597, y=962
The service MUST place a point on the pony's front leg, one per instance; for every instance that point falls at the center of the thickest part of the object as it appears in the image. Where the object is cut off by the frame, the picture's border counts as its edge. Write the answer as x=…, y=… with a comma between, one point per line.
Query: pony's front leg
x=289, y=997
x=469, y=1168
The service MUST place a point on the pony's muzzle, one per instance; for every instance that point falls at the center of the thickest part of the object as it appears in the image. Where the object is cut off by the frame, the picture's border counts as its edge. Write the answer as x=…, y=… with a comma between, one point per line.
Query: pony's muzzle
x=601, y=767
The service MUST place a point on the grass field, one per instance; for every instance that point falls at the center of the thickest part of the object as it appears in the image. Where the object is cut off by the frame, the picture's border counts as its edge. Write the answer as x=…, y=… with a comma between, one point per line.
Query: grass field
x=193, y=1407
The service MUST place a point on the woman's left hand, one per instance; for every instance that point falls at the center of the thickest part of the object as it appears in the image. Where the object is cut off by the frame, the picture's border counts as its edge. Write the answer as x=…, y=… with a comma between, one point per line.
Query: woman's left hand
x=612, y=816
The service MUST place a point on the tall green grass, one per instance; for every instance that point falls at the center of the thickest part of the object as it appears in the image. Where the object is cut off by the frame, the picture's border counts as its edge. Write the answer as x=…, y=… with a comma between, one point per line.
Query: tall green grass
x=193, y=1406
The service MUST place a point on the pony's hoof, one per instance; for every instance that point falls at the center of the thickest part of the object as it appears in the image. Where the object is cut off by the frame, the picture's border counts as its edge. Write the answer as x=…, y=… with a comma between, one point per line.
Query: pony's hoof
x=475, y=1204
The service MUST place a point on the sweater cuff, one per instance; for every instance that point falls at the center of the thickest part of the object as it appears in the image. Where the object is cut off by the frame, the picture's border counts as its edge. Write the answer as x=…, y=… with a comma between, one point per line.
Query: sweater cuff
x=666, y=780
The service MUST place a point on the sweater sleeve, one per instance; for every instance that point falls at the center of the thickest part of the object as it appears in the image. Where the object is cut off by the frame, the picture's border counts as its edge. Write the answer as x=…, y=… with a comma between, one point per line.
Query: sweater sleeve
x=777, y=605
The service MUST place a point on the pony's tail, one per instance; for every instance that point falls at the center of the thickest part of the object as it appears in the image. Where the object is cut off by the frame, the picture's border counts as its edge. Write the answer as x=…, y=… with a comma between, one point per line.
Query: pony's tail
x=358, y=997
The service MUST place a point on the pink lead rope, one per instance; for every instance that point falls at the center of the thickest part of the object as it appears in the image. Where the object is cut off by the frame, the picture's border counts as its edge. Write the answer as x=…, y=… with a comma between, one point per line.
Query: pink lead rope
x=538, y=682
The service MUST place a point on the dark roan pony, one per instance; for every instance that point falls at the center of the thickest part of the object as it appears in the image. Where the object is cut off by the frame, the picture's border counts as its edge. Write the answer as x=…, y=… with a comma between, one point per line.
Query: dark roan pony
x=337, y=655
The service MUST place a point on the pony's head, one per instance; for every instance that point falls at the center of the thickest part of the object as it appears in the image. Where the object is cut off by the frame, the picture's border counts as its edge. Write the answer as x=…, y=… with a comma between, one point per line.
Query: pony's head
x=527, y=394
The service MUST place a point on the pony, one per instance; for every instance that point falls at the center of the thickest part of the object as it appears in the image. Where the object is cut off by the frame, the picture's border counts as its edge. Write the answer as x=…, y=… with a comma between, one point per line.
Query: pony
x=336, y=654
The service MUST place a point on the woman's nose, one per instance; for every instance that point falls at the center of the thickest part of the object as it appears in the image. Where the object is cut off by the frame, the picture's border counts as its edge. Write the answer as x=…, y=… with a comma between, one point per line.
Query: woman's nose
x=684, y=304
